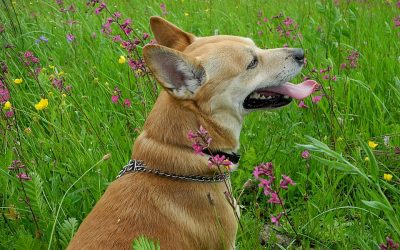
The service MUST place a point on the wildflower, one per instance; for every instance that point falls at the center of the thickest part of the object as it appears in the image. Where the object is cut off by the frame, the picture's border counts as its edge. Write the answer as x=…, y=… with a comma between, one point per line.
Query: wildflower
x=396, y=21
x=316, y=99
x=390, y=245
x=70, y=38
x=275, y=220
x=28, y=131
x=201, y=140
x=127, y=103
x=288, y=21
x=7, y=105
x=387, y=177
x=23, y=177
x=386, y=140
x=286, y=180
x=68, y=88
x=274, y=199
x=100, y=8
x=302, y=105
x=334, y=78
x=145, y=36
x=266, y=184
x=366, y=159
x=163, y=8
x=372, y=144
x=217, y=160
x=117, y=15
x=305, y=154
x=343, y=66
x=44, y=39
x=115, y=98
x=10, y=114
x=121, y=60
x=42, y=104
x=117, y=38
x=263, y=169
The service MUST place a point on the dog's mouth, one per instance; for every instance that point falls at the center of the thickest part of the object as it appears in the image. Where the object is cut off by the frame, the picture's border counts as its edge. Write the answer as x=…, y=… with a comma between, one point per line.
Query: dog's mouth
x=275, y=97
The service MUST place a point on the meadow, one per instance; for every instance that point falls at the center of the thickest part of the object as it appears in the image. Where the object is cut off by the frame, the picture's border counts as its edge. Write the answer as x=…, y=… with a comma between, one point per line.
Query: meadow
x=74, y=94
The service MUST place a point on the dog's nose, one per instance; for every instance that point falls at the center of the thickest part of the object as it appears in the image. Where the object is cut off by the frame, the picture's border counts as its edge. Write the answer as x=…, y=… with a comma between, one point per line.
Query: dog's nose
x=298, y=55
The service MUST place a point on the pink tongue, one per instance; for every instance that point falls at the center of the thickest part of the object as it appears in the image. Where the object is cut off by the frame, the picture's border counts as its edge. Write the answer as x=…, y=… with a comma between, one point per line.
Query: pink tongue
x=296, y=91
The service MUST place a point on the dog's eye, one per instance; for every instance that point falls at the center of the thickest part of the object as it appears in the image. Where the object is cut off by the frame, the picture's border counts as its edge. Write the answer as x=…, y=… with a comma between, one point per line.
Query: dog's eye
x=253, y=63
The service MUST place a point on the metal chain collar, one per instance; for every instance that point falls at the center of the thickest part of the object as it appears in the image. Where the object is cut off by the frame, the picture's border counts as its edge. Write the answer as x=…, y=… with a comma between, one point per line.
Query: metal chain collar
x=139, y=166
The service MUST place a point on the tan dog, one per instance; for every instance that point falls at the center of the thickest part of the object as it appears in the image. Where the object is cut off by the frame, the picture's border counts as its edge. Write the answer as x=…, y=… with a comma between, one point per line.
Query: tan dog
x=210, y=81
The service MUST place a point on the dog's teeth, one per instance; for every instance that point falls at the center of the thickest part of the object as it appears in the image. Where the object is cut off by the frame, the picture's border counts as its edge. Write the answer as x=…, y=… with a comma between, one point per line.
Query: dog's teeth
x=286, y=97
x=262, y=97
x=269, y=97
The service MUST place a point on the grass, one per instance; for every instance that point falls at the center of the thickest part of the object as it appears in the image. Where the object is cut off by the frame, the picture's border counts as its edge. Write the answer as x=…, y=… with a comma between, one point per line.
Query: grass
x=341, y=200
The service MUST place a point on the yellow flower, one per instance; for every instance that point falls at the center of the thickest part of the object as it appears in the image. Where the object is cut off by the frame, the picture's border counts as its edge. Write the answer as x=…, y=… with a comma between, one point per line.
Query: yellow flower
x=366, y=159
x=372, y=144
x=28, y=131
x=61, y=73
x=64, y=95
x=51, y=66
x=42, y=104
x=387, y=177
x=18, y=81
x=186, y=14
x=122, y=59
x=7, y=105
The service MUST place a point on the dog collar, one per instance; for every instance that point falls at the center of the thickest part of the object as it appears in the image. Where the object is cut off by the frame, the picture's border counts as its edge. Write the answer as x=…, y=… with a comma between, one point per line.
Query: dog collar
x=233, y=157
x=139, y=166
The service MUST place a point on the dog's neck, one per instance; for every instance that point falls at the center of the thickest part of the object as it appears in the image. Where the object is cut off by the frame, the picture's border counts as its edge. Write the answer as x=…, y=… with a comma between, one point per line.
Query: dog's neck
x=164, y=142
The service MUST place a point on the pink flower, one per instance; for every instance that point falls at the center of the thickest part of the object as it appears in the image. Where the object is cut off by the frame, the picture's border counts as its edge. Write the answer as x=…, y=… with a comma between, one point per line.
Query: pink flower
x=9, y=114
x=288, y=21
x=263, y=169
x=163, y=8
x=286, y=180
x=23, y=177
x=275, y=220
x=334, y=78
x=198, y=149
x=396, y=21
x=326, y=77
x=145, y=36
x=127, y=103
x=343, y=66
x=305, y=154
x=302, y=105
x=70, y=38
x=117, y=14
x=274, y=199
x=316, y=99
x=217, y=160
x=266, y=184
x=115, y=98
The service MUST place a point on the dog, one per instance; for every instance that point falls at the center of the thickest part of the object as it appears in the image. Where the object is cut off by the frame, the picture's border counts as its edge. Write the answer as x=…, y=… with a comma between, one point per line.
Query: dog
x=207, y=81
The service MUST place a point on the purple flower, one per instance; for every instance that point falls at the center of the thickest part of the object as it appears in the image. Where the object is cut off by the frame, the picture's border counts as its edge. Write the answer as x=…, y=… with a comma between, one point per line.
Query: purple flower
x=302, y=105
x=145, y=36
x=263, y=169
x=305, y=154
x=316, y=99
x=266, y=184
x=100, y=8
x=117, y=15
x=274, y=199
x=23, y=177
x=163, y=8
x=275, y=220
x=115, y=98
x=70, y=38
x=217, y=160
x=198, y=149
x=127, y=103
x=10, y=114
x=334, y=78
x=288, y=21
x=286, y=180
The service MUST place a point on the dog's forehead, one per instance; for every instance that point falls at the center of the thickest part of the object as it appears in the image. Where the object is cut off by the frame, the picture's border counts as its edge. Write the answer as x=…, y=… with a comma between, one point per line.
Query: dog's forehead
x=219, y=42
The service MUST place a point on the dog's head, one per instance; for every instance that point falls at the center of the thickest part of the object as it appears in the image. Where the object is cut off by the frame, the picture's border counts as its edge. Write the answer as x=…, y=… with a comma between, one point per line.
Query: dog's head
x=227, y=76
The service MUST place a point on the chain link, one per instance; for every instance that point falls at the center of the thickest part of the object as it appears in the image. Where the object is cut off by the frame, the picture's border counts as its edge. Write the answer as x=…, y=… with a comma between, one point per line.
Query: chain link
x=139, y=166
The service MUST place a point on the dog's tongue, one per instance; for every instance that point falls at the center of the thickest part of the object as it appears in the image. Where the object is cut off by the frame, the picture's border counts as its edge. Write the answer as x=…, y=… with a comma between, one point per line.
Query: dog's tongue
x=296, y=91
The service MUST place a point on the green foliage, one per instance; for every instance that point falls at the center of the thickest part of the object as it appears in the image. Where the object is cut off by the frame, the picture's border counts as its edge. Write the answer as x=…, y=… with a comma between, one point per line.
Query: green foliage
x=143, y=243
x=67, y=230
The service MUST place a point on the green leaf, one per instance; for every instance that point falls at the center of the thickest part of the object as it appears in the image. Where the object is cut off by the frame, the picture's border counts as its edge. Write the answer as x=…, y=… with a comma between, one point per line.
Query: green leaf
x=67, y=231
x=377, y=205
x=143, y=243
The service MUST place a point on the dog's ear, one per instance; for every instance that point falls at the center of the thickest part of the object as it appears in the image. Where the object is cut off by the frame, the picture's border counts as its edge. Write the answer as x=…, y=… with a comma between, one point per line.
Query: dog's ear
x=169, y=35
x=178, y=73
